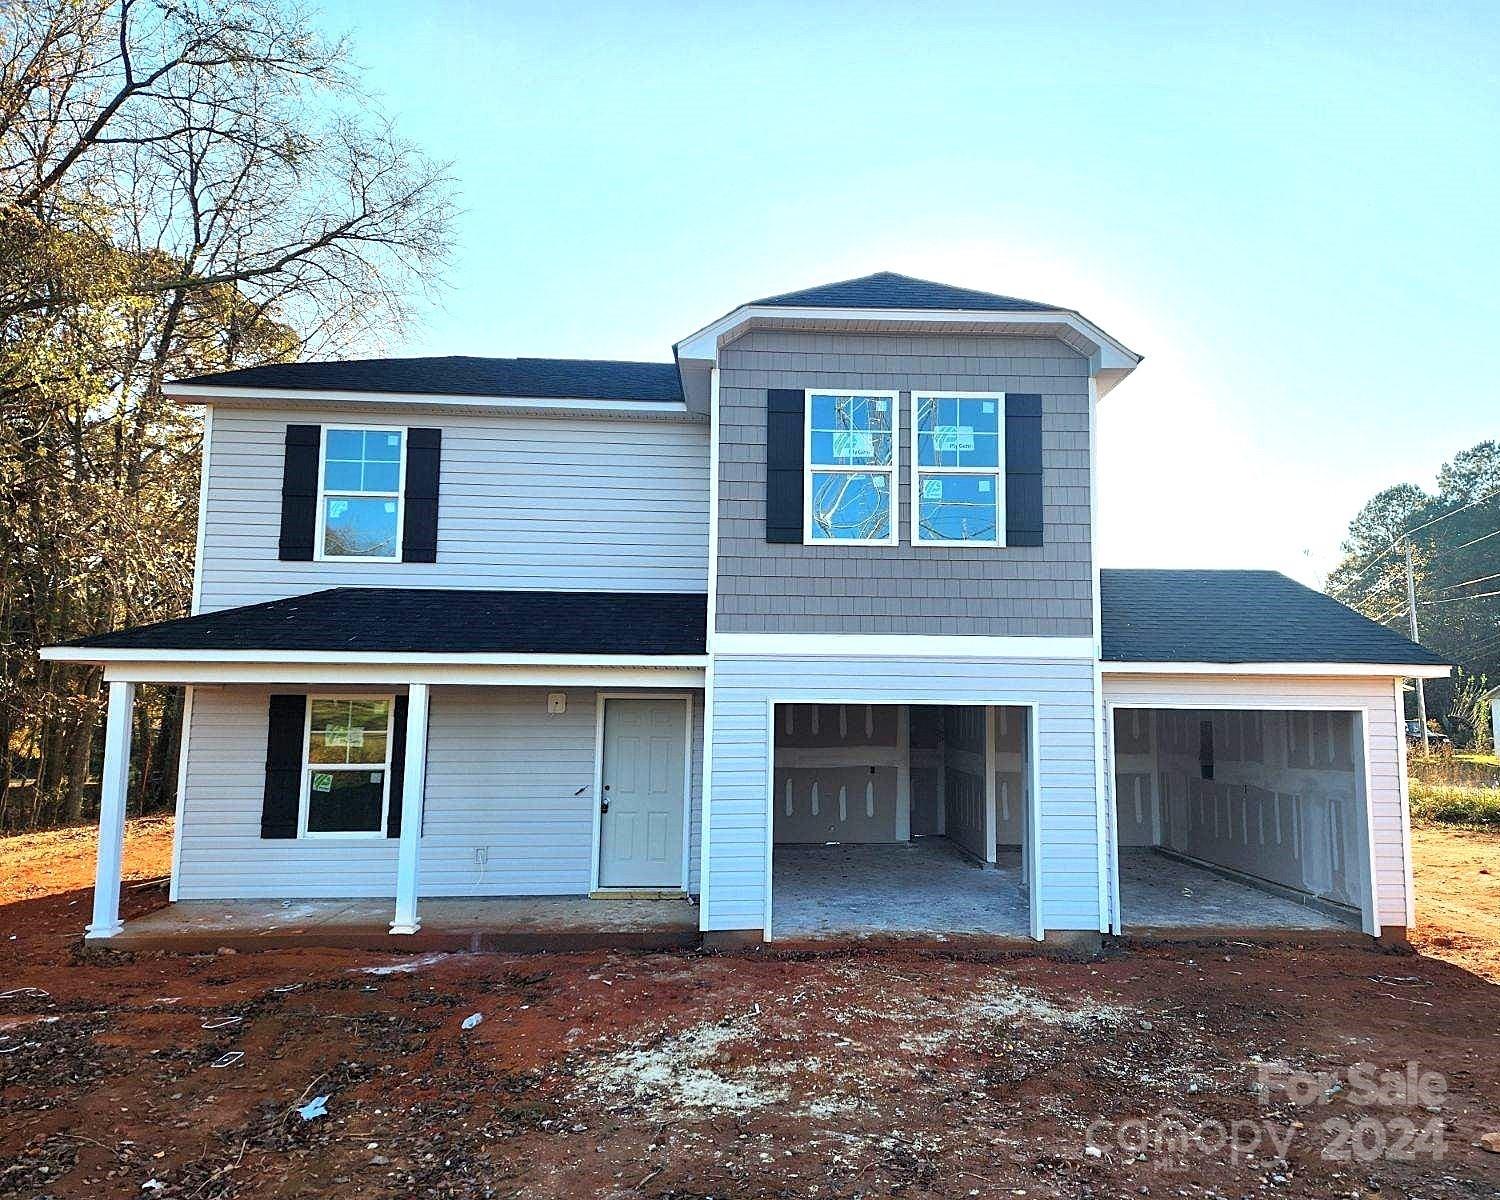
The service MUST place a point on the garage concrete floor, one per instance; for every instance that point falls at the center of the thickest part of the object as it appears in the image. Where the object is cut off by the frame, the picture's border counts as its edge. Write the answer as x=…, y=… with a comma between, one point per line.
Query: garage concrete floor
x=1157, y=892
x=920, y=888
x=929, y=887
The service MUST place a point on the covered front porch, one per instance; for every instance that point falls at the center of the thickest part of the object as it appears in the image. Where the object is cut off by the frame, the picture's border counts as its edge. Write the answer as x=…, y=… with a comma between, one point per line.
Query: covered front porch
x=511, y=795
x=494, y=924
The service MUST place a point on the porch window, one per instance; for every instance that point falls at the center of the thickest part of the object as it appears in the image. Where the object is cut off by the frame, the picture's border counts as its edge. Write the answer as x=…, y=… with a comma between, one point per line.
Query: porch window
x=959, y=477
x=359, y=493
x=346, y=766
x=851, y=467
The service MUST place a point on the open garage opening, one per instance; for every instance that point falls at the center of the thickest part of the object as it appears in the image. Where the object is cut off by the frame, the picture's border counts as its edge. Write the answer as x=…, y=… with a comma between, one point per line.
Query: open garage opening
x=901, y=820
x=1241, y=819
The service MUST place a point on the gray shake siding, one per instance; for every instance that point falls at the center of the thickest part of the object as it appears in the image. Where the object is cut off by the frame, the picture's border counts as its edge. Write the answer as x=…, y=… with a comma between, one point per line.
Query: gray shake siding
x=767, y=587
x=576, y=503
x=501, y=774
x=743, y=687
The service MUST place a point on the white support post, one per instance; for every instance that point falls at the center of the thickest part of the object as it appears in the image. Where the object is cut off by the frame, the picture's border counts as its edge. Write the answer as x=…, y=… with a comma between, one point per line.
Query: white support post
x=991, y=792
x=112, y=794
x=412, y=784
x=903, y=773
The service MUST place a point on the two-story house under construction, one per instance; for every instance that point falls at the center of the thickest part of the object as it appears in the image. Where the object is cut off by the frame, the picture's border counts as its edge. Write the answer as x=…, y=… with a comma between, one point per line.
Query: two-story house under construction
x=802, y=634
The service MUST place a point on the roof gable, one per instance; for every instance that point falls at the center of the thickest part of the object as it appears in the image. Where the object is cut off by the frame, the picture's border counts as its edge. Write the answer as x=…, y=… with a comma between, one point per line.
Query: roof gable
x=886, y=289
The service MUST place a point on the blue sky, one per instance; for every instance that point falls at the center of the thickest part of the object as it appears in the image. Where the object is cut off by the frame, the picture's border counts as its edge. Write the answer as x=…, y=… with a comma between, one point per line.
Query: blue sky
x=1289, y=209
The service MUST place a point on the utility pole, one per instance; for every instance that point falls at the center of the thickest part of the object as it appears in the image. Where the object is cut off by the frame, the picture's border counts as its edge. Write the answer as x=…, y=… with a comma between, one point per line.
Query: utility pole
x=1411, y=609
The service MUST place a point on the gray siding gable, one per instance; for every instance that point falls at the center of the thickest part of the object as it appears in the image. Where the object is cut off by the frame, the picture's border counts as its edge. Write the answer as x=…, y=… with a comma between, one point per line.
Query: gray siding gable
x=767, y=587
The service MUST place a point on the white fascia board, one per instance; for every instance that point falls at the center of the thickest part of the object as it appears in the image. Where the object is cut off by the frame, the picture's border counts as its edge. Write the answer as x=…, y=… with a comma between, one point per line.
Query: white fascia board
x=897, y=645
x=205, y=674
x=201, y=393
x=1293, y=668
x=1112, y=355
x=99, y=656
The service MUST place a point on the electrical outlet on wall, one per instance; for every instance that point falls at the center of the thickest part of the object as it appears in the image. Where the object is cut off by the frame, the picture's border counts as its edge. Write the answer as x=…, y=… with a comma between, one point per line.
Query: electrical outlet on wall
x=481, y=856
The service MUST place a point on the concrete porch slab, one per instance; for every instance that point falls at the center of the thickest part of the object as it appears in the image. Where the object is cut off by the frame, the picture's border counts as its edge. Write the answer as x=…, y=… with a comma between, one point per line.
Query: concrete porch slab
x=520, y=923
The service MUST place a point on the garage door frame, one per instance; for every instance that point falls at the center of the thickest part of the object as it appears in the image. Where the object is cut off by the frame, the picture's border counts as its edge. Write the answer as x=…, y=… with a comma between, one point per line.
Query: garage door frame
x=1032, y=849
x=1369, y=910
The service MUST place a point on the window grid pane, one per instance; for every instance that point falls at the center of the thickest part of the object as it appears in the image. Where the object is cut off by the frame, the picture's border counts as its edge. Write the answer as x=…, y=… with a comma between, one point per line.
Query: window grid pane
x=851, y=506
x=958, y=507
x=849, y=431
x=957, y=431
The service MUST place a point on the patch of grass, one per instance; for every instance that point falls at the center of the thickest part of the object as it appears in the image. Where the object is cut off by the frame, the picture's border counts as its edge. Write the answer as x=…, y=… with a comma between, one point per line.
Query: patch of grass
x=1455, y=770
x=1450, y=804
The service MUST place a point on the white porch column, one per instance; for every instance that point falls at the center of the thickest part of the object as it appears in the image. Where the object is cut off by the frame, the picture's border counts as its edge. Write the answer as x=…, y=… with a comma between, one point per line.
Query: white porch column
x=115, y=784
x=413, y=781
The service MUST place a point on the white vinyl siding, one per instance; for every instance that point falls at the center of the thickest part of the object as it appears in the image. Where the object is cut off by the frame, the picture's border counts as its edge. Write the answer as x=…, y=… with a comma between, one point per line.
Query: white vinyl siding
x=735, y=897
x=573, y=503
x=502, y=774
x=1383, y=738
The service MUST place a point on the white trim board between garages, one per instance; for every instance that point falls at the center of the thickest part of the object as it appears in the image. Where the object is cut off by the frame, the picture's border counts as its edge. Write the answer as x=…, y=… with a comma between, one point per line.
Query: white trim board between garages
x=897, y=645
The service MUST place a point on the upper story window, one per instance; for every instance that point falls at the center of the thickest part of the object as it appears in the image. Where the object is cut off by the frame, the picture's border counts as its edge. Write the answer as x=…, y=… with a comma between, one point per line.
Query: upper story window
x=958, y=476
x=347, y=766
x=851, y=467
x=360, y=485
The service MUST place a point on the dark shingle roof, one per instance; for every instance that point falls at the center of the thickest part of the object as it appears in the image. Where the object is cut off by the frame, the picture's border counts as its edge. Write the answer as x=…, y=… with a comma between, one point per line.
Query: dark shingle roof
x=1239, y=617
x=886, y=289
x=457, y=375
x=437, y=621
x=1148, y=616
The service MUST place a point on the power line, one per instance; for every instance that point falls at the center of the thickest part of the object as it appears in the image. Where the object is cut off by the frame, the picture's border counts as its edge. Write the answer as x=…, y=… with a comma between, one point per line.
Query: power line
x=1455, y=599
x=1481, y=579
x=1426, y=524
x=1476, y=541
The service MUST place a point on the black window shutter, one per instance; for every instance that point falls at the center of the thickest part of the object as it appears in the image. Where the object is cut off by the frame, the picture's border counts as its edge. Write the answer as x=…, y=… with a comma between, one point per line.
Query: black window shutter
x=786, y=417
x=424, y=462
x=299, y=492
x=1023, y=470
x=398, y=769
x=285, y=730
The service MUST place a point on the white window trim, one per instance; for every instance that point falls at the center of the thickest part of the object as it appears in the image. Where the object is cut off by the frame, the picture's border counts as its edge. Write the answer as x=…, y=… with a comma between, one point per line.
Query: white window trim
x=304, y=791
x=997, y=472
x=891, y=472
x=319, y=552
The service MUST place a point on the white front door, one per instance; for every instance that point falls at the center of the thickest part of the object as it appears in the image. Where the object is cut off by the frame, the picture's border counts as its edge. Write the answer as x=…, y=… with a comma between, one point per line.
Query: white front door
x=641, y=793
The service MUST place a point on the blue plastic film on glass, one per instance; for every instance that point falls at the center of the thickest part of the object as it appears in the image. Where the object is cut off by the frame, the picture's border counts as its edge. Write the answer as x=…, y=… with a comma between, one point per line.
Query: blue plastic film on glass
x=850, y=506
x=359, y=527
x=957, y=508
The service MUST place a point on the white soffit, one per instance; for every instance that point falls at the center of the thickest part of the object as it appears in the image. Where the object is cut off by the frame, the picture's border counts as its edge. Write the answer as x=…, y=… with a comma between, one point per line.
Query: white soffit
x=1110, y=359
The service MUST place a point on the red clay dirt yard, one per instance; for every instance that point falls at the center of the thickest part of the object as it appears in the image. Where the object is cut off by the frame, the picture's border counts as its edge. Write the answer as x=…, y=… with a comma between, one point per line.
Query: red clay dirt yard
x=1224, y=1070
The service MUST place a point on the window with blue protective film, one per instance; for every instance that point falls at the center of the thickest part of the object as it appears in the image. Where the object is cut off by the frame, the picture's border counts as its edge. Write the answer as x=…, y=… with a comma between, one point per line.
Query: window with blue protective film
x=360, y=505
x=851, y=465
x=958, y=469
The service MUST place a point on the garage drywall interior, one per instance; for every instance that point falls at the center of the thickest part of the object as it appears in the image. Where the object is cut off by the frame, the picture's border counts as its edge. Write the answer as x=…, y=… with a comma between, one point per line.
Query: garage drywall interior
x=1272, y=795
x=838, y=774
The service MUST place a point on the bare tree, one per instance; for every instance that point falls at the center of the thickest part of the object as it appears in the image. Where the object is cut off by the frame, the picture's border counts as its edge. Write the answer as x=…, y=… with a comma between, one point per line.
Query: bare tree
x=184, y=186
